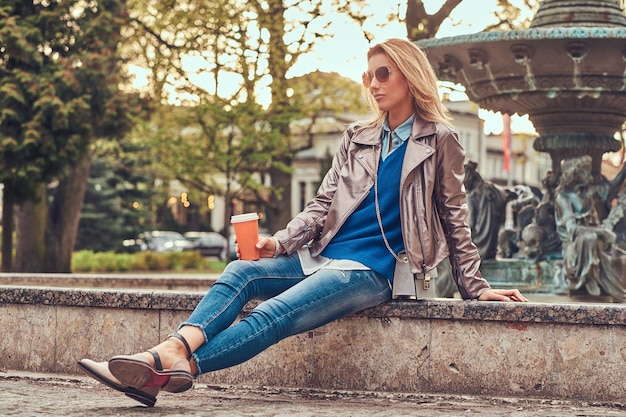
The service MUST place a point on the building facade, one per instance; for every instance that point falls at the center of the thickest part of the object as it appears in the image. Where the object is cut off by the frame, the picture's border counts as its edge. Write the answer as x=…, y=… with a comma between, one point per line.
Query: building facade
x=527, y=165
x=310, y=165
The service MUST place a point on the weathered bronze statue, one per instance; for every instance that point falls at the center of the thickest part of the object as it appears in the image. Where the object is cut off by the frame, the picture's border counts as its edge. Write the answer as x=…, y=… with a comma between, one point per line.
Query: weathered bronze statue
x=588, y=246
x=540, y=239
x=487, y=203
x=566, y=72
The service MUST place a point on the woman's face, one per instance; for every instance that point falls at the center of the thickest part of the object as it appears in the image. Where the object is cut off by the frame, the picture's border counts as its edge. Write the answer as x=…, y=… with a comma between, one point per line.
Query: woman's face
x=392, y=95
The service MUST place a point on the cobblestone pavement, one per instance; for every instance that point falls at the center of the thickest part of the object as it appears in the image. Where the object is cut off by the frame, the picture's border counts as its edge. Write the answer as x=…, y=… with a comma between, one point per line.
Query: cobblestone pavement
x=23, y=394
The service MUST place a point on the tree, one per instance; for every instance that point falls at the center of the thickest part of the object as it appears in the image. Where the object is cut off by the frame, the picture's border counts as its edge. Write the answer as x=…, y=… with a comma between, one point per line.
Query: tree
x=421, y=25
x=215, y=149
x=318, y=95
x=58, y=94
x=228, y=150
x=244, y=43
x=118, y=201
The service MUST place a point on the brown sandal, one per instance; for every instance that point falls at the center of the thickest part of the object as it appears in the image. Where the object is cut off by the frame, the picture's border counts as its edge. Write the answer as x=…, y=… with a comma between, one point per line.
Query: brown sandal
x=135, y=372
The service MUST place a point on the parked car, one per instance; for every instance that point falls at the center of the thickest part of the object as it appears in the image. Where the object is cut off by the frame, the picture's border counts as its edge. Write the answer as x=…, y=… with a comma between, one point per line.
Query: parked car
x=157, y=241
x=208, y=244
x=164, y=241
x=133, y=245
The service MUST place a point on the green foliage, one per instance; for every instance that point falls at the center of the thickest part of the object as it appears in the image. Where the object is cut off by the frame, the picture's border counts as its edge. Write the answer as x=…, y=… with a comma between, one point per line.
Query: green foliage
x=510, y=16
x=110, y=262
x=186, y=260
x=156, y=261
x=59, y=91
x=89, y=261
x=213, y=148
x=58, y=86
x=80, y=261
x=319, y=94
x=119, y=198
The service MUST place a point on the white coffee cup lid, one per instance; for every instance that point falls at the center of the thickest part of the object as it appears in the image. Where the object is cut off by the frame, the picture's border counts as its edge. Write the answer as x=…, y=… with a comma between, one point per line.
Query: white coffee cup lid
x=237, y=218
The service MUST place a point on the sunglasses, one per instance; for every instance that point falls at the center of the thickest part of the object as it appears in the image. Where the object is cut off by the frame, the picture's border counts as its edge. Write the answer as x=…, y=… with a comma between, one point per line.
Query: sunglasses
x=381, y=74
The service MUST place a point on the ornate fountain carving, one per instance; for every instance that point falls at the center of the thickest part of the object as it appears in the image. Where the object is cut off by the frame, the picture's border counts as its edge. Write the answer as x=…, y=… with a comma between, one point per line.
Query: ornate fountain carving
x=567, y=72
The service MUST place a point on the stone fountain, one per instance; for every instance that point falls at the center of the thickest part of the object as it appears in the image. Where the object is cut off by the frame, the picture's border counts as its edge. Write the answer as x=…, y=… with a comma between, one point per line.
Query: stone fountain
x=567, y=72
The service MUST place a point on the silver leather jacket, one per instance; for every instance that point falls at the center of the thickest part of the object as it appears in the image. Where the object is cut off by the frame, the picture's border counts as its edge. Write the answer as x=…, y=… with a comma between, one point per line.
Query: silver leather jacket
x=433, y=203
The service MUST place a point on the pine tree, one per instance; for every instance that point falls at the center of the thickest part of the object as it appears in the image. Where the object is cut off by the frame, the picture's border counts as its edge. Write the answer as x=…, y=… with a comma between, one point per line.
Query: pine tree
x=59, y=76
x=118, y=201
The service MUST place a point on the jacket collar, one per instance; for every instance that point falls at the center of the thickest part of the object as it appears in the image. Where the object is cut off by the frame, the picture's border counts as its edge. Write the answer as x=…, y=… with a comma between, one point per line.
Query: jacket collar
x=420, y=129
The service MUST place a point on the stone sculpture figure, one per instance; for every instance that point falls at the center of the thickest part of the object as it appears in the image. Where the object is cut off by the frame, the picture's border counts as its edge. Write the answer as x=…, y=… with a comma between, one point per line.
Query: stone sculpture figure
x=522, y=208
x=486, y=205
x=609, y=203
x=587, y=245
x=606, y=191
x=616, y=220
x=540, y=239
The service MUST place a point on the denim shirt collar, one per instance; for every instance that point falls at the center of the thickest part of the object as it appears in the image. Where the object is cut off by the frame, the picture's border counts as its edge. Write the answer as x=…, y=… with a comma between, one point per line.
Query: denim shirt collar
x=398, y=136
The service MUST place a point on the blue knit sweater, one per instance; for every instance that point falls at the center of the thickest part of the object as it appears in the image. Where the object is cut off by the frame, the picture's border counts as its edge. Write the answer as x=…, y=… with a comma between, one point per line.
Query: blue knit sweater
x=359, y=239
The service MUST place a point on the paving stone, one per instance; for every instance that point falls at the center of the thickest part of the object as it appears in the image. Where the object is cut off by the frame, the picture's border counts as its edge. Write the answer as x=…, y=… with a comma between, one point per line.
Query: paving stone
x=25, y=395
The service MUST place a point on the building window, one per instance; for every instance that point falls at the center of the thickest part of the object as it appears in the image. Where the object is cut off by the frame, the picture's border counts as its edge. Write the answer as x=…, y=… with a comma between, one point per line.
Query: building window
x=302, y=195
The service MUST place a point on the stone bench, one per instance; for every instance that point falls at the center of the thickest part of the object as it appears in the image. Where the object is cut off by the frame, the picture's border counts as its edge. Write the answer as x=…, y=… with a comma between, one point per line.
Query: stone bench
x=558, y=351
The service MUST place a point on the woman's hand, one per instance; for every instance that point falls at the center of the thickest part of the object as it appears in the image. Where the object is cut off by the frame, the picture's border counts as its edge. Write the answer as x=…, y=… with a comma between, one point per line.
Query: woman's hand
x=267, y=247
x=503, y=295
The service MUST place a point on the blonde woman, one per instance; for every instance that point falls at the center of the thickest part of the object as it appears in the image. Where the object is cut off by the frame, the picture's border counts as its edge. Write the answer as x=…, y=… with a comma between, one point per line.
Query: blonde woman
x=395, y=186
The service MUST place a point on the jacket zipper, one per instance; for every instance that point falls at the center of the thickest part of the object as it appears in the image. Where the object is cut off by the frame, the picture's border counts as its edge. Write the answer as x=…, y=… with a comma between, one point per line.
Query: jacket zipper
x=357, y=202
x=419, y=234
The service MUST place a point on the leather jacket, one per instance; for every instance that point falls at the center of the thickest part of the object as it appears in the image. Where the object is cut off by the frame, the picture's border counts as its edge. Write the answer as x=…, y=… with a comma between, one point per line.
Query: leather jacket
x=433, y=203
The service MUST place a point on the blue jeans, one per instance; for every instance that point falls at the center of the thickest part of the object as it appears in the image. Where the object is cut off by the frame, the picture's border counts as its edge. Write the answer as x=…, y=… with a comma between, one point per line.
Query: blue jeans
x=294, y=303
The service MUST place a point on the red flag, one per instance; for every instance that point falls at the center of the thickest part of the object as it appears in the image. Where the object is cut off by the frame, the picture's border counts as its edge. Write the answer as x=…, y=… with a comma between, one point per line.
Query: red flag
x=506, y=142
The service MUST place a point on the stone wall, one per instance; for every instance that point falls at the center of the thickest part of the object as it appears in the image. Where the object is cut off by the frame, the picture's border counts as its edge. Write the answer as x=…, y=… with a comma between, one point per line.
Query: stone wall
x=560, y=351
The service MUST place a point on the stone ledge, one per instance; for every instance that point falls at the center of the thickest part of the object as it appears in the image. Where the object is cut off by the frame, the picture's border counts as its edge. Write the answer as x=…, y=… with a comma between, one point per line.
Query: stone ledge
x=440, y=308
x=176, y=281
x=559, y=351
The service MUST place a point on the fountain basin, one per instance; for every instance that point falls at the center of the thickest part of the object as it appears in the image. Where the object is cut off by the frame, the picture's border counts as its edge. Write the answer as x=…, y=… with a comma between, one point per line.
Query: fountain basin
x=565, y=79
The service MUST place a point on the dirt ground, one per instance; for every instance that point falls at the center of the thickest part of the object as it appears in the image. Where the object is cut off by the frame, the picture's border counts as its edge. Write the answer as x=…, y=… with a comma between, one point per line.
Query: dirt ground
x=55, y=395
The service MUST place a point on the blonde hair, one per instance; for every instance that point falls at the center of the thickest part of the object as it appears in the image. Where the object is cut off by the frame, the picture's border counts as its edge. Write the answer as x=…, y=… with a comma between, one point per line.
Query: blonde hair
x=420, y=76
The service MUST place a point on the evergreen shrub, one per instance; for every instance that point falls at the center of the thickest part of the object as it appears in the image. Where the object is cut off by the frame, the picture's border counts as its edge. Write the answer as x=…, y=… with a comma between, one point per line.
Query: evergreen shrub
x=90, y=261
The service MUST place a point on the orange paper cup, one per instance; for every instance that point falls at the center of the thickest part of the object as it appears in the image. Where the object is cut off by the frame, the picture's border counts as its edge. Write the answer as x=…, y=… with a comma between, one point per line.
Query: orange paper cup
x=247, y=233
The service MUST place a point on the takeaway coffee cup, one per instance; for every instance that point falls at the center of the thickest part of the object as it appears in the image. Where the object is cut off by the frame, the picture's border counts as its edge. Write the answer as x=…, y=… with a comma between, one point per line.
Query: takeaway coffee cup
x=247, y=233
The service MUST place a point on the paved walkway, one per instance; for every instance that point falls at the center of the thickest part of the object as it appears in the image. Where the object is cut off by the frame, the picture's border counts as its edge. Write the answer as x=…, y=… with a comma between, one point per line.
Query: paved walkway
x=24, y=394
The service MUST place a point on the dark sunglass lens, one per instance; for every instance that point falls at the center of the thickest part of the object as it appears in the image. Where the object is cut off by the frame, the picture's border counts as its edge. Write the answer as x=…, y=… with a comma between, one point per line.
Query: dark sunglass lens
x=382, y=74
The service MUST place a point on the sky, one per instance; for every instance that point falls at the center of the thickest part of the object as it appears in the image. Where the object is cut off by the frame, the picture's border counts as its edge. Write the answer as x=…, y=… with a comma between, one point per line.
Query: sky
x=345, y=53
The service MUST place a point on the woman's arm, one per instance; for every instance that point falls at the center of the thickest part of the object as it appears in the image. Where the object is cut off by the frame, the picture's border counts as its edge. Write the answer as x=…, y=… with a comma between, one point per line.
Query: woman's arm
x=307, y=224
x=453, y=212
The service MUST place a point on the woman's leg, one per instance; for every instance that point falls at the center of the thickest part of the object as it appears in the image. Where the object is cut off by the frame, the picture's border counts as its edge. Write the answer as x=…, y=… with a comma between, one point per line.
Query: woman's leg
x=240, y=282
x=319, y=299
